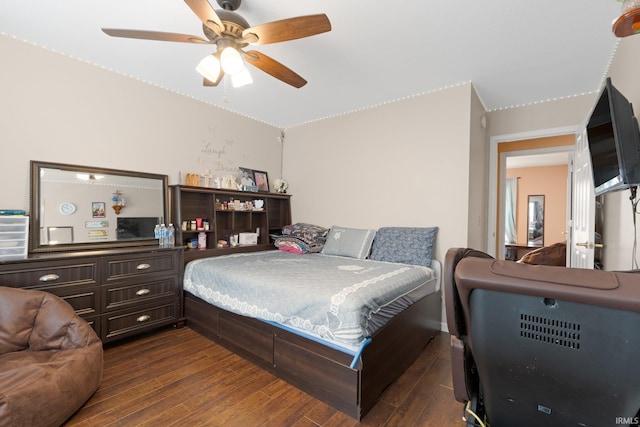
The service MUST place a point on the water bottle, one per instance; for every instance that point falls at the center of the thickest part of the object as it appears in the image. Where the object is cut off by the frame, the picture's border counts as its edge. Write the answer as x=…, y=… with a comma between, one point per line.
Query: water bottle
x=171, y=236
x=163, y=236
x=156, y=234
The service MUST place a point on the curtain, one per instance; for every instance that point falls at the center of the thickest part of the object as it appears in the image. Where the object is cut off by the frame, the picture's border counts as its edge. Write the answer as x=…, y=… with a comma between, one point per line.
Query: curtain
x=510, y=210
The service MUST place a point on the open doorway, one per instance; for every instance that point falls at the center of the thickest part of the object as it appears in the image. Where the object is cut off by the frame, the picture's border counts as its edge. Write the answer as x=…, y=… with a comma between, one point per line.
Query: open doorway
x=521, y=146
x=537, y=200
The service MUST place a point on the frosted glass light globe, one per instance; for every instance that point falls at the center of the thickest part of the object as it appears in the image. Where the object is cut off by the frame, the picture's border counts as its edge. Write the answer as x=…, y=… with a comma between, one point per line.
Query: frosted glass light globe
x=209, y=68
x=231, y=60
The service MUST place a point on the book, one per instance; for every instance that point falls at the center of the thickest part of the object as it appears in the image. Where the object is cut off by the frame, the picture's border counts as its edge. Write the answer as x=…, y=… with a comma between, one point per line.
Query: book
x=12, y=212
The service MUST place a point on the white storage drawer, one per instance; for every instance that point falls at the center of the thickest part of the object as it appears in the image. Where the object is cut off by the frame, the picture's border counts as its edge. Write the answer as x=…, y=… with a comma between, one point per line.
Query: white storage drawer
x=14, y=237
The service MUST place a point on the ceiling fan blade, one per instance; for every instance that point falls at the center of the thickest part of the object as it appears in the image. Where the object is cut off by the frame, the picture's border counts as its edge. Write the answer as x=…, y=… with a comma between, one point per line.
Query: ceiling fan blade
x=274, y=68
x=287, y=29
x=155, y=35
x=206, y=14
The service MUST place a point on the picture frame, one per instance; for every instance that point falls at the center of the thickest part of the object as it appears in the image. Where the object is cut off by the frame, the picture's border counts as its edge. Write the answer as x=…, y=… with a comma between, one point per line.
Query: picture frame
x=247, y=178
x=96, y=224
x=262, y=181
x=98, y=209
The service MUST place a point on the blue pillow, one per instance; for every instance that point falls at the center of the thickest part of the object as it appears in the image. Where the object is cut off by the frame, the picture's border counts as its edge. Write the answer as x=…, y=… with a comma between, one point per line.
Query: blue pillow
x=407, y=245
x=348, y=242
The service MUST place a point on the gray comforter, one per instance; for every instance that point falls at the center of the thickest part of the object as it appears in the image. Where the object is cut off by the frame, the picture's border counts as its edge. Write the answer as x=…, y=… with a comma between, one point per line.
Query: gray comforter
x=330, y=297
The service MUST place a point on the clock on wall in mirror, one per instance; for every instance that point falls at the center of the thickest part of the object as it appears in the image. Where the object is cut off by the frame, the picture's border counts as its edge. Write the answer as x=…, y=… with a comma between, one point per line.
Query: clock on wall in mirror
x=67, y=208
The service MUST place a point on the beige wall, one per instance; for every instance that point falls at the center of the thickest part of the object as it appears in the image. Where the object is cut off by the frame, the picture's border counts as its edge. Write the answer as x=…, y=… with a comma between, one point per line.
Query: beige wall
x=55, y=108
x=549, y=181
x=389, y=161
x=400, y=164
x=544, y=115
x=478, y=176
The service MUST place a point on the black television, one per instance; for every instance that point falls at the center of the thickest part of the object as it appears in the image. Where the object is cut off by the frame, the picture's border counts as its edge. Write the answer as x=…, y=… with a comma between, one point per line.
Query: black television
x=614, y=142
x=136, y=227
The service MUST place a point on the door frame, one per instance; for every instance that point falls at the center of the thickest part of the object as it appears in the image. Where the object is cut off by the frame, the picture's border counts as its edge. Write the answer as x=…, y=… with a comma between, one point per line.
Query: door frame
x=497, y=176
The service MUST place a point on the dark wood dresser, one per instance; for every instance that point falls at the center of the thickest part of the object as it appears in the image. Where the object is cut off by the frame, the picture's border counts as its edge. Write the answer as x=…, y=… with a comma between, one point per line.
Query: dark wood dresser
x=120, y=292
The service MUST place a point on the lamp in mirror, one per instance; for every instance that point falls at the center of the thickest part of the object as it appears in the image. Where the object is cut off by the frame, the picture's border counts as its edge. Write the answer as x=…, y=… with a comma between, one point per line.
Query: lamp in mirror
x=118, y=202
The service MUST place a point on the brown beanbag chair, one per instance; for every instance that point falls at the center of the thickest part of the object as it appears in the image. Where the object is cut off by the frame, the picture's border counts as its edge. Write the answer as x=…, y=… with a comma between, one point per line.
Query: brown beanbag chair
x=50, y=359
x=555, y=254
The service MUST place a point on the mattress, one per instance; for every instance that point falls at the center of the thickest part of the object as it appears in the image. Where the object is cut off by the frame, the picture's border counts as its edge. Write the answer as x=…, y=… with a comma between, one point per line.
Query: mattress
x=338, y=300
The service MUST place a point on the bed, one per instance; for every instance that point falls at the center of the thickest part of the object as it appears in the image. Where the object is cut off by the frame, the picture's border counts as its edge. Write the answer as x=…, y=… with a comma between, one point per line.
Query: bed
x=336, y=324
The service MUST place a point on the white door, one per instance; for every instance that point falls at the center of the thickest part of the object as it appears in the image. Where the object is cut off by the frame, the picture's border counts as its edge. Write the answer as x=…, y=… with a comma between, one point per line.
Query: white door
x=581, y=242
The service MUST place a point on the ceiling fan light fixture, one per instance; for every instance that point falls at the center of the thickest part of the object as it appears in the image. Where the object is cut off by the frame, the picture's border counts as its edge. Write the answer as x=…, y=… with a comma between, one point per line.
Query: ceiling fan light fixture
x=242, y=78
x=209, y=68
x=628, y=23
x=231, y=33
x=628, y=5
x=231, y=61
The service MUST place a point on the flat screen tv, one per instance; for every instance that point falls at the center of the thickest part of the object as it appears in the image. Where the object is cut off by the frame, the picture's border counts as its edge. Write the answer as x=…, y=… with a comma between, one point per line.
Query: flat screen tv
x=136, y=227
x=614, y=141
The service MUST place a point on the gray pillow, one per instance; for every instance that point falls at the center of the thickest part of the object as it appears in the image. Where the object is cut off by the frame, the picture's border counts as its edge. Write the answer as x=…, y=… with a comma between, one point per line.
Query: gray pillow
x=408, y=245
x=349, y=242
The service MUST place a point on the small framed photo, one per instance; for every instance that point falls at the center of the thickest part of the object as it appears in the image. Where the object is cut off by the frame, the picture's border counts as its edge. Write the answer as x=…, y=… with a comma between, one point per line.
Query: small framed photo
x=97, y=209
x=262, y=180
x=246, y=177
x=96, y=224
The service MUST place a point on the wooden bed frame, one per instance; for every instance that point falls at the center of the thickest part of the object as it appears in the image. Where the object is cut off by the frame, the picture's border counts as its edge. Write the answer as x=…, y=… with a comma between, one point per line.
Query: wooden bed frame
x=321, y=371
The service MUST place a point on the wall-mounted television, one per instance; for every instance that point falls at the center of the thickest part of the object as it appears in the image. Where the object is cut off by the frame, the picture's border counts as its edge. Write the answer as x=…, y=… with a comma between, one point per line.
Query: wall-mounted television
x=614, y=142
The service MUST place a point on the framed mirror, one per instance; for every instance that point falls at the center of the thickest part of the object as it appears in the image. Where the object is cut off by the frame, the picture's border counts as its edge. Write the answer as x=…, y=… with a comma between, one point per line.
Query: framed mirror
x=535, y=220
x=80, y=207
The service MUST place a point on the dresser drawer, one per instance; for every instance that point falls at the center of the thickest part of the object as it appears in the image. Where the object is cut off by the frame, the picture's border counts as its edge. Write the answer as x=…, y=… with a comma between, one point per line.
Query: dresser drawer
x=119, y=268
x=85, y=299
x=116, y=297
x=120, y=292
x=120, y=325
x=94, y=322
x=50, y=275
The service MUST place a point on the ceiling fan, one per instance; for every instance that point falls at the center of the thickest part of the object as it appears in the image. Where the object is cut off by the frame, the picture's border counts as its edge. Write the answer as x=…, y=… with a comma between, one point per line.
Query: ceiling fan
x=230, y=32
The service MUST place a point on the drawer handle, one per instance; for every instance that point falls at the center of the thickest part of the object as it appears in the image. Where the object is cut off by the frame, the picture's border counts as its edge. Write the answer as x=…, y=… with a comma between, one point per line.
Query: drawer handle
x=143, y=266
x=142, y=292
x=49, y=277
x=143, y=318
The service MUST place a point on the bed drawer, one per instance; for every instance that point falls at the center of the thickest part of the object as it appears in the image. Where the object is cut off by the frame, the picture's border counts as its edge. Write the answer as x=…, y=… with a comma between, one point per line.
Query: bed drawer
x=116, y=297
x=247, y=336
x=301, y=366
x=49, y=275
x=124, y=323
x=158, y=262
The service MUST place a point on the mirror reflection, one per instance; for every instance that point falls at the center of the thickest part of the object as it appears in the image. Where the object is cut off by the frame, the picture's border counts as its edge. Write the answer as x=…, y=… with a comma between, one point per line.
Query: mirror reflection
x=76, y=205
x=535, y=221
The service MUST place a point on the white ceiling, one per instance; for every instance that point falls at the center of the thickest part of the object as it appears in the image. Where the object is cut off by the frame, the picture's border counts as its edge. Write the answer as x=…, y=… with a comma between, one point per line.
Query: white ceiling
x=514, y=52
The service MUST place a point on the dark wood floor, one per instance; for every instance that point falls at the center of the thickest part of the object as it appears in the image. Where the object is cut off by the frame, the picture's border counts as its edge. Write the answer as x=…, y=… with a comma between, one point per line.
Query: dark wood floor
x=176, y=377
